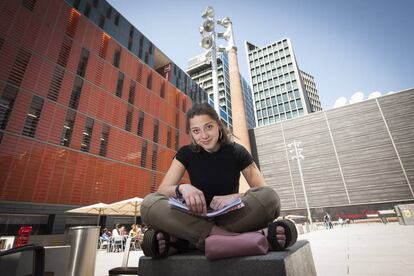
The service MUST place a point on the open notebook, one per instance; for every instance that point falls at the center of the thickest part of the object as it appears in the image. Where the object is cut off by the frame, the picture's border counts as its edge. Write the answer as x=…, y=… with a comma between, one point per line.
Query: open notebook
x=233, y=205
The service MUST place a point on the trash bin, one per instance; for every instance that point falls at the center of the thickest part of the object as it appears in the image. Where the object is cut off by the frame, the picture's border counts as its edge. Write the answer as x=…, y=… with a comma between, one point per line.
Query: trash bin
x=83, y=242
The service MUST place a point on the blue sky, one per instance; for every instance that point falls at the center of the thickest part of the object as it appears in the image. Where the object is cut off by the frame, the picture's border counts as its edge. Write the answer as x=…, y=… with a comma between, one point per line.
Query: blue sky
x=348, y=46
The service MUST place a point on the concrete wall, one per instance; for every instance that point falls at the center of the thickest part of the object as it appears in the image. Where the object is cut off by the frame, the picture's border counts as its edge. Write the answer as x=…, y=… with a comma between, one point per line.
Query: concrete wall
x=361, y=153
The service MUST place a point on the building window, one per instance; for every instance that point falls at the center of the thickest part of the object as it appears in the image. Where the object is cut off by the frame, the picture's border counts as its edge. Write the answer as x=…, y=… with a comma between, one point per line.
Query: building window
x=146, y=59
x=140, y=130
x=128, y=119
x=83, y=62
x=144, y=153
x=68, y=128
x=154, y=157
x=87, y=135
x=1, y=42
x=76, y=4
x=64, y=51
x=156, y=130
x=162, y=90
x=7, y=100
x=120, y=84
x=177, y=100
x=184, y=104
x=131, y=96
x=104, y=140
x=141, y=42
x=149, y=81
x=177, y=139
x=116, y=21
x=29, y=4
x=130, y=43
x=169, y=137
x=131, y=37
x=76, y=92
x=32, y=117
x=102, y=21
x=87, y=10
x=19, y=67
x=117, y=57
x=177, y=119
x=95, y=3
x=1, y=136
x=131, y=31
x=109, y=12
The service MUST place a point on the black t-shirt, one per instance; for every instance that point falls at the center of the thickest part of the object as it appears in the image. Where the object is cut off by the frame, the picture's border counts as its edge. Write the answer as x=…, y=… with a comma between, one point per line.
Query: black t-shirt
x=215, y=173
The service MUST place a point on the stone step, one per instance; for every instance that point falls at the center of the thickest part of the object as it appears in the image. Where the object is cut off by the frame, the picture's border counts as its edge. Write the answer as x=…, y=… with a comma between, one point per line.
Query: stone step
x=294, y=261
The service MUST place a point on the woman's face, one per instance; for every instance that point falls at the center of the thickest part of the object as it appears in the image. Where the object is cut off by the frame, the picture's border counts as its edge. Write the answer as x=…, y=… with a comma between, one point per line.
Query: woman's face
x=205, y=132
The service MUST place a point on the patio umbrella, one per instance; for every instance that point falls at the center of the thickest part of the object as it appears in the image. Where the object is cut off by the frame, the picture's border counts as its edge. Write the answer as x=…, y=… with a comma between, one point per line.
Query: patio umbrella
x=97, y=209
x=127, y=207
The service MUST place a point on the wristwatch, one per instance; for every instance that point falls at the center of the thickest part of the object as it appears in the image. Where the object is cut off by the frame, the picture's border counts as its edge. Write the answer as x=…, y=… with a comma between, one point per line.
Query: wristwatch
x=178, y=194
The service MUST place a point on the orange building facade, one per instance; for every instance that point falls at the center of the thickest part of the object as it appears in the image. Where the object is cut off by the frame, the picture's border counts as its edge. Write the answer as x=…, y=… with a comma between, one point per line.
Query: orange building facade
x=83, y=119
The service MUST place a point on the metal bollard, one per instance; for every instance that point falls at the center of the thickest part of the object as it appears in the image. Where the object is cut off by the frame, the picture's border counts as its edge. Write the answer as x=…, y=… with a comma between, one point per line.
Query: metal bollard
x=83, y=241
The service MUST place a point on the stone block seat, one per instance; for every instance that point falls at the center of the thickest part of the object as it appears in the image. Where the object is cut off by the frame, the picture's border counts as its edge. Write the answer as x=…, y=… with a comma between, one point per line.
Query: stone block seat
x=294, y=261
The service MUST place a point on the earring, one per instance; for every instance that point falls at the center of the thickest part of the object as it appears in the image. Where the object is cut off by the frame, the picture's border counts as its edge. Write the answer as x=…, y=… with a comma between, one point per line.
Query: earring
x=221, y=134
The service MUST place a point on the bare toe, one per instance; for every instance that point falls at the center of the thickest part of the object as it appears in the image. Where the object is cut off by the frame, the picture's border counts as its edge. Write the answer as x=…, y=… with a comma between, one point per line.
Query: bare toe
x=161, y=242
x=280, y=230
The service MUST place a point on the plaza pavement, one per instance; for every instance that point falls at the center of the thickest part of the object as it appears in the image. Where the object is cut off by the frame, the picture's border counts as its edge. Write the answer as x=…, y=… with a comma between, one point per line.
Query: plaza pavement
x=363, y=249
x=357, y=250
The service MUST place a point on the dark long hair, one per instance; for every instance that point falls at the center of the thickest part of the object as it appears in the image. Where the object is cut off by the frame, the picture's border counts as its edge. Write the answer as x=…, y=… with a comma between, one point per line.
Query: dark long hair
x=206, y=109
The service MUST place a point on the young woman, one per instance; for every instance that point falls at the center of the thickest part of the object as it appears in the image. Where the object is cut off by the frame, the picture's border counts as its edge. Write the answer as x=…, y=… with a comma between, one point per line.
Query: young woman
x=214, y=164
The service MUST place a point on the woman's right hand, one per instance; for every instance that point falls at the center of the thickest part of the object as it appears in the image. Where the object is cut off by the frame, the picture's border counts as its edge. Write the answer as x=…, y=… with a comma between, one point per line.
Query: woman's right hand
x=194, y=199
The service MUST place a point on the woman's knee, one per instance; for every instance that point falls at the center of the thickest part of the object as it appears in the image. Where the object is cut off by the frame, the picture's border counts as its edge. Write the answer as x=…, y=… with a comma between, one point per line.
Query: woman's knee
x=150, y=206
x=268, y=198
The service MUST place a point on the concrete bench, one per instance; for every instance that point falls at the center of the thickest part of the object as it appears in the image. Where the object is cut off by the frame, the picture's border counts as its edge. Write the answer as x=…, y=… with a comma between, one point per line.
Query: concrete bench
x=295, y=261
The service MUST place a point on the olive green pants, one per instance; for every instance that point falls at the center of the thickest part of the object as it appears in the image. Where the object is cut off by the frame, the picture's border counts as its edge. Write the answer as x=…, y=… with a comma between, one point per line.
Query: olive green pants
x=261, y=206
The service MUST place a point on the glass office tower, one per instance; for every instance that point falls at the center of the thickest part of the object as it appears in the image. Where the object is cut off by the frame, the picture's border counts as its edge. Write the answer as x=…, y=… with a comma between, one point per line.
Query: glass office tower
x=199, y=69
x=279, y=92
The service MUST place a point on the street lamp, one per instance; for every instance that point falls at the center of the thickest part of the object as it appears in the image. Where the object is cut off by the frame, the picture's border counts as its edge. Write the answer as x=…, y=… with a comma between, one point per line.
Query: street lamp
x=208, y=42
x=296, y=150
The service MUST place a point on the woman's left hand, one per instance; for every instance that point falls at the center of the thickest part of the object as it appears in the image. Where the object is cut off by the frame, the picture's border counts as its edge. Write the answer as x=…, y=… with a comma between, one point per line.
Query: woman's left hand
x=220, y=201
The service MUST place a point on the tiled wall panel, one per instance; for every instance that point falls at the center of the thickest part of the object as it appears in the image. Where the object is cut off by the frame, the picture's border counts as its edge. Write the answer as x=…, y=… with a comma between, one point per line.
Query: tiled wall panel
x=39, y=169
x=357, y=154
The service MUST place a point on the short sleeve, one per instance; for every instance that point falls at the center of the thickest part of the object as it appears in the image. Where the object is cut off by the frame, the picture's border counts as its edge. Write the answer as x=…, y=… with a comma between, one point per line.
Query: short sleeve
x=182, y=155
x=244, y=158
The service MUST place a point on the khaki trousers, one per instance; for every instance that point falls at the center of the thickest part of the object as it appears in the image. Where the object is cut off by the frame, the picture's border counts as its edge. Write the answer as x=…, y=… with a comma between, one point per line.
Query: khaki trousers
x=262, y=206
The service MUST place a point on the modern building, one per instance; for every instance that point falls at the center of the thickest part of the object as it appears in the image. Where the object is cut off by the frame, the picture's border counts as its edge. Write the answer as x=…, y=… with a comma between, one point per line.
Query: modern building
x=90, y=111
x=248, y=103
x=200, y=70
x=359, y=158
x=279, y=89
x=311, y=91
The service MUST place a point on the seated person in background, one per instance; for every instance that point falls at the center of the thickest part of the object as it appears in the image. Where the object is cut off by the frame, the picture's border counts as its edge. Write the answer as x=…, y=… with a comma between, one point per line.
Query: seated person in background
x=134, y=231
x=123, y=231
x=105, y=238
x=115, y=231
x=106, y=235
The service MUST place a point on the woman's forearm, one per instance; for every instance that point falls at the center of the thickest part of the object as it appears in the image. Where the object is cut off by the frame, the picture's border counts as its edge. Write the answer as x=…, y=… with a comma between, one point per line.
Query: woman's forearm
x=167, y=190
